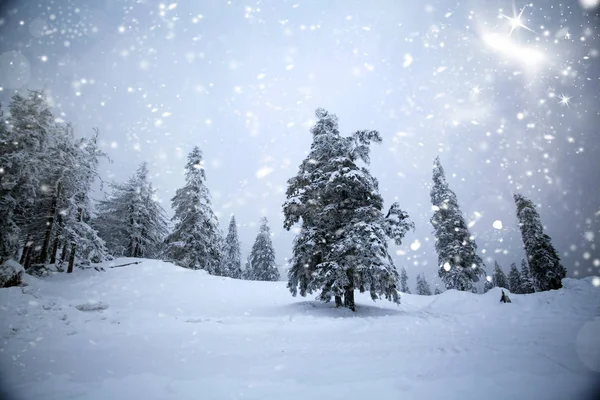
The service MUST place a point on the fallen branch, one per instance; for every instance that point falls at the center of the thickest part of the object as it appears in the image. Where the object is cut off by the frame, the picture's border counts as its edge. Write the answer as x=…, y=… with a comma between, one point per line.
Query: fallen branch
x=124, y=265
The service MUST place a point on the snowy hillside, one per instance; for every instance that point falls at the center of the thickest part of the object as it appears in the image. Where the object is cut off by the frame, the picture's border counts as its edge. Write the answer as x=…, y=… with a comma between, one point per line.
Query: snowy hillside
x=156, y=331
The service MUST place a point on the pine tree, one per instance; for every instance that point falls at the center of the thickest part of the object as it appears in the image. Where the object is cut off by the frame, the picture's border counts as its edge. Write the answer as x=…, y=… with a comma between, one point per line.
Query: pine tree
x=130, y=219
x=232, y=264
x=544, y=263
x=261, y=262
x=342, y=244
x=195, y=241
x=489, y=284
x=514, y=279
x=526, y=281
x=499, y=279
x=459, y=264
x=423, y=287
x=404, y=281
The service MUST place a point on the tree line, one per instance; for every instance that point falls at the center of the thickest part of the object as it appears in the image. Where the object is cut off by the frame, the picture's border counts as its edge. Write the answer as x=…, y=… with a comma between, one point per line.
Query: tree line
x=47, y=216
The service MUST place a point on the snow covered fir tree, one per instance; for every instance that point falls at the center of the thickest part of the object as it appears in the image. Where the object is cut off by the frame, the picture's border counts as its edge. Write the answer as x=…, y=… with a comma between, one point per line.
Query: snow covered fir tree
x=195, y=241
x=261, y=264
x=342, y=243
x=232, y=258
x=130, y=219
x=543, y=260
x=514, y=279
x=404, y=281
x=423, y=287
x=499, y=278
x=459, y=265
x=526, y=281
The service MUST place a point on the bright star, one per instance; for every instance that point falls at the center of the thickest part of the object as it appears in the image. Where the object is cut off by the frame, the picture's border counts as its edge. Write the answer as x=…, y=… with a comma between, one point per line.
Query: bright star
x=564, y=100
x=515, y=20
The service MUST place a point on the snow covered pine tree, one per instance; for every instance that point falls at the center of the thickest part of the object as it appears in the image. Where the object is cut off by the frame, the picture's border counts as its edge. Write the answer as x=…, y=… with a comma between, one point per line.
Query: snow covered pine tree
x=459, y=264
x=232, y=258
x=514, y=279
x=195, y=241
x=342, y=243
x=544, y=263
x=404, y=281
x=499, y=277
x=261, y=262
x=526, y=281
x=488, y=284
x=130, y=220
x=423, y=288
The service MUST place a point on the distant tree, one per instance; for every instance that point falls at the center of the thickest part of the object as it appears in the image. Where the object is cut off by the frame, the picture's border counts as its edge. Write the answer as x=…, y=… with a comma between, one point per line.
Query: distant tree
x=423, y=287
x=514, y=279
x=232, y=263
x=262, y=265
x=404, y=281
x=489, y=284
x=195, y=241
x=499, y=279
x=343, y=240
x=544, y=263
x=437, y=291
x=130, y=219
x=459, y=265
x=526, y=281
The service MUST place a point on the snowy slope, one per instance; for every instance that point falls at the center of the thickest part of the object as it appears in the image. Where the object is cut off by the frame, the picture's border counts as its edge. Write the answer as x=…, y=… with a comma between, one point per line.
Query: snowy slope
x=156, y=331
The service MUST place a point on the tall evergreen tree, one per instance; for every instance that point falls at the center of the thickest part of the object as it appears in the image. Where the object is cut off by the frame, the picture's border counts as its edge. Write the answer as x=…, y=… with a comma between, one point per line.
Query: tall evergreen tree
x=499, y=278
x=459, y=264
x=544, y=263
x=423, y=287
x=404, y=281
x=514, y=279
x=130, y=220
x=195, y=241
x=342, y=244
x=526, y=281
x=489, y=284
x=261, y=262
x=232, y=263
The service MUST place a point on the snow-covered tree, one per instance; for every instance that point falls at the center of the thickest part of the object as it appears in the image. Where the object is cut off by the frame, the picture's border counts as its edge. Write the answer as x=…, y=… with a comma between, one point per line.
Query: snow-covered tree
x=544, y=263
x=489, y=284
x=195, y=241
x=499, y=278
x=423, y=287
x=404, y=281
x=342, y=244
x=437, y=290
x=232, y=258
x=459, y=264
x=261, y=263
x=514, y=279
x=130, y=219
x=526, y=281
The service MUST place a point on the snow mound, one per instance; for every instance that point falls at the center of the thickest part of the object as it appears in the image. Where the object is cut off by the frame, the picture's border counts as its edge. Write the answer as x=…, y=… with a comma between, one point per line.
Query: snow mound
x=11, y=273
x=174, y=333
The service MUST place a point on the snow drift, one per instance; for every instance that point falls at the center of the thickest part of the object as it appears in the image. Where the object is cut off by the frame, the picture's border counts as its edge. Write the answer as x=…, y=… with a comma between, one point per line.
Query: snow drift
x=156, y=331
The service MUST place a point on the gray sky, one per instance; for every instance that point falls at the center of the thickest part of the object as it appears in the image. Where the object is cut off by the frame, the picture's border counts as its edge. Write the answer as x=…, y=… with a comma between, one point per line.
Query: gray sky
x=506, y=111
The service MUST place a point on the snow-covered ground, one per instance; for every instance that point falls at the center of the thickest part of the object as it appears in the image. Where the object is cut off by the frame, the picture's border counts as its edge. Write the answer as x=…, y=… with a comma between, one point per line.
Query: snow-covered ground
x=156, y=331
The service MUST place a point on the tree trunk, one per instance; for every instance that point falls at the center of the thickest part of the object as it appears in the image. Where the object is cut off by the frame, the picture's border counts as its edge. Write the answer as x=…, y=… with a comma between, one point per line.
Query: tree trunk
x=63, y=254
x=49, y=226
x=26, y=250
x=349, y=292
x=28, y=258
x=71, y=258
x=338, y=301
x=56, y=240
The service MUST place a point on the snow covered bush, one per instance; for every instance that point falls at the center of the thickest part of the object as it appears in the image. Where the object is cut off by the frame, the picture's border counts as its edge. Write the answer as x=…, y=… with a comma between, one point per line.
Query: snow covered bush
x=11, y=273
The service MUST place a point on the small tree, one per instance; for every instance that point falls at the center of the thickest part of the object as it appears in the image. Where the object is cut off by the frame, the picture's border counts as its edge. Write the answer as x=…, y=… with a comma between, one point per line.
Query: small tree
x=232, y=263
x=499, y=278
x=489, y=284
x=544, y=263
x=437, y=290
x=514, y=279
x=404, y=281
x=423, y=287
x=262, y=265
x=526, y=281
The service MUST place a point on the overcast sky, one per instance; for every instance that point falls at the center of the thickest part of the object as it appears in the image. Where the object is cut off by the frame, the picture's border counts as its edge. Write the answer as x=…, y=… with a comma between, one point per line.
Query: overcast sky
x=508, y=104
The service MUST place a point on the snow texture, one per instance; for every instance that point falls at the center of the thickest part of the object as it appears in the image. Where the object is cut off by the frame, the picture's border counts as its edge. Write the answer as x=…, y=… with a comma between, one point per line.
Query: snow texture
x=176, y=333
